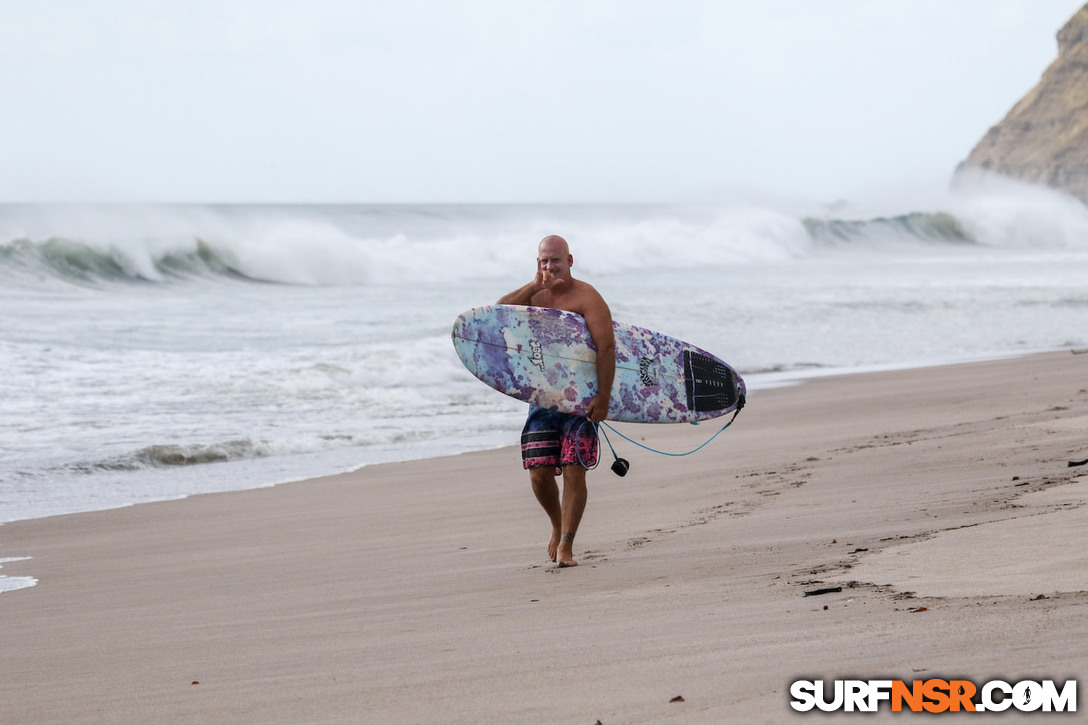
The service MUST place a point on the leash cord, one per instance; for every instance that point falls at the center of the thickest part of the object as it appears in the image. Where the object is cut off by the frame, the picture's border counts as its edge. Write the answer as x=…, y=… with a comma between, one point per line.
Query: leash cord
x=599, y=432
x=664, y=453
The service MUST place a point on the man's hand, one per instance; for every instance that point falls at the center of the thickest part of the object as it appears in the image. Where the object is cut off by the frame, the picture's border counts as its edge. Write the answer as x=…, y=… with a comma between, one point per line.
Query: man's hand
x=598, y=408
x=545, y=280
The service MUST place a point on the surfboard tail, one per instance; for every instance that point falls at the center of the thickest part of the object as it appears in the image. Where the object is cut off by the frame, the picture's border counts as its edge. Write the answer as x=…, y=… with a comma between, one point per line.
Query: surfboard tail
x=710, y=384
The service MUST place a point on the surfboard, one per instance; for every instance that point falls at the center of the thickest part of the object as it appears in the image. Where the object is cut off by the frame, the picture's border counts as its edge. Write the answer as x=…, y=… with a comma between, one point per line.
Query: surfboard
x=547, y=357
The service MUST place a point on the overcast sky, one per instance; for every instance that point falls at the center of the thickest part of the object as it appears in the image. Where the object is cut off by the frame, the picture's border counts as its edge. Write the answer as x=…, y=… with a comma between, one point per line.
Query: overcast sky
x=505, y=100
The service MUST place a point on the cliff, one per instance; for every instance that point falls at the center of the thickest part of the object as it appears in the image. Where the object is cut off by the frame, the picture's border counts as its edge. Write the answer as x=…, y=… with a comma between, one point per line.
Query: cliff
x=1044, y=138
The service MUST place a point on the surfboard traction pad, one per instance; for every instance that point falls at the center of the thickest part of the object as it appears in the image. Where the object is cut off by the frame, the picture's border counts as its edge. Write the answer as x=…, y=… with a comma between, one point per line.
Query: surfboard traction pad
x=659, y=379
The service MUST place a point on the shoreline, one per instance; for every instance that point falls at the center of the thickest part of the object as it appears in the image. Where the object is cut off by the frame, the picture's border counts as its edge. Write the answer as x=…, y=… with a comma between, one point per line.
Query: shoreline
x=757, y=382
x=939, y=500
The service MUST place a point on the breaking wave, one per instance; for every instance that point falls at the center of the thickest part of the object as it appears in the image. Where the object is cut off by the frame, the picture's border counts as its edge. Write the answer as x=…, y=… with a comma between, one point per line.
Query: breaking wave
x=940, y=227
x=388, y=245
x=179, y=455
x=81, y=263
x=170, y=455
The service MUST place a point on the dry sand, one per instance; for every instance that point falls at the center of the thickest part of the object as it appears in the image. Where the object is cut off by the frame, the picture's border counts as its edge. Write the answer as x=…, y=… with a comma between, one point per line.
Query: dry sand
x=939, y=499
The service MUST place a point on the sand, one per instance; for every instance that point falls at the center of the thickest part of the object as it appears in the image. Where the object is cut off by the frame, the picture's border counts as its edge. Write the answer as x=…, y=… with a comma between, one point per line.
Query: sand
x=938, y=499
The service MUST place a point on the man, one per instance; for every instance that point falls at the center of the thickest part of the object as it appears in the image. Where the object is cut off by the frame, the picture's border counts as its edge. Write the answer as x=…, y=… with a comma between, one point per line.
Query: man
x=551, y=441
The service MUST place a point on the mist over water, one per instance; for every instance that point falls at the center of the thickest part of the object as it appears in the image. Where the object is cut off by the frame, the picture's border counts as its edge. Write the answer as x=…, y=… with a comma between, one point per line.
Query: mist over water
x=153, y=352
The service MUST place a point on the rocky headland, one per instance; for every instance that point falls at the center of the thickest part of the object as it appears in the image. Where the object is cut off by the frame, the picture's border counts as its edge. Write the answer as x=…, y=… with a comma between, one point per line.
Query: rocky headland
x=1044, y=138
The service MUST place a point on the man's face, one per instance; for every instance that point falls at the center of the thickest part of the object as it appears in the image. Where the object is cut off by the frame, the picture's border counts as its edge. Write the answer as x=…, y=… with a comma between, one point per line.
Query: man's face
x=554, y=258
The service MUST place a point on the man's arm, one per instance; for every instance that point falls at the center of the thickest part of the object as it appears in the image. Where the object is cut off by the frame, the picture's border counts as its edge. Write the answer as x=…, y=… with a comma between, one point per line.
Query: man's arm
x=524, y=295
x=521, y=296
x=599, y=321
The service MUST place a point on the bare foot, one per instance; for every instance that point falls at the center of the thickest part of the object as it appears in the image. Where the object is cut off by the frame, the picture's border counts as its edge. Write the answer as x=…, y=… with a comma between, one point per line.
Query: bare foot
x=564, y=555
x=553, y=545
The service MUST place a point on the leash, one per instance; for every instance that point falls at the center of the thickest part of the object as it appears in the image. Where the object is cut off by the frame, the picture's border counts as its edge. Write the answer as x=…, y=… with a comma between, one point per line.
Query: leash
x=621, y=465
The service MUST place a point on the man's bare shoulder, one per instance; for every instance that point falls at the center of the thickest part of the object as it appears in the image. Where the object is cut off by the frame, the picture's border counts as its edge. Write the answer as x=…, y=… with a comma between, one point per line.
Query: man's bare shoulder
x=588, y=298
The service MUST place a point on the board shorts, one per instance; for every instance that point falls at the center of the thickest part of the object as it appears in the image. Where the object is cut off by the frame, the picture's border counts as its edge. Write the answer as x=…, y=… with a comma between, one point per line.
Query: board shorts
x=551, y=438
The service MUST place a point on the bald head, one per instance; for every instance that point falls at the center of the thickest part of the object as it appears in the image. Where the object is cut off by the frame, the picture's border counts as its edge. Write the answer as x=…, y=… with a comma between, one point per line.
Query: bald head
x=554, y=243
x=554, y=258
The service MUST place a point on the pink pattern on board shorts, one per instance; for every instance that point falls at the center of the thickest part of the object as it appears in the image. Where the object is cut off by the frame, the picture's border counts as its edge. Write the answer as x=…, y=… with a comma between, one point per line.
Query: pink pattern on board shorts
x=551, y=438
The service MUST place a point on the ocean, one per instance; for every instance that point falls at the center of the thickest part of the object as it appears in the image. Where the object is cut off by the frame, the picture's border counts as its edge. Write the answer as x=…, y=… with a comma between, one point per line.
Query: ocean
x=155, y=352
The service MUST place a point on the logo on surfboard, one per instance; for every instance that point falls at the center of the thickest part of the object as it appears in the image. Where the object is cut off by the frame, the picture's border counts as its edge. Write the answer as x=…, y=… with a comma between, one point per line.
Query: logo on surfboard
x=645, y=364
x=537, y=356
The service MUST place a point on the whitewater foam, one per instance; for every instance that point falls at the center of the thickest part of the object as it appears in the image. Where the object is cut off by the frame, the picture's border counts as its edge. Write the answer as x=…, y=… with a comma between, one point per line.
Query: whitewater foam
x=331, y=246
x=148, y=357
x=11, y=583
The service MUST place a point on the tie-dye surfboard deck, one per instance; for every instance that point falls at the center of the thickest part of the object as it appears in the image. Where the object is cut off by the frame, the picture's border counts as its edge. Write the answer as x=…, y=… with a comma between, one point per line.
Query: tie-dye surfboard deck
x=546, y=357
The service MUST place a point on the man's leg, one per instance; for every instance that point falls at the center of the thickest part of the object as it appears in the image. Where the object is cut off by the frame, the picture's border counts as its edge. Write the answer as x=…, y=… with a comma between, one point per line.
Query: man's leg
x=574, y=504
x=547, y=493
